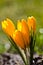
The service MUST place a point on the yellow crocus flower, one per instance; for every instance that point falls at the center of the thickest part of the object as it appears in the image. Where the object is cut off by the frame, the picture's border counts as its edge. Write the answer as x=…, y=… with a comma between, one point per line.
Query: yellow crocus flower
x=31, y=23
x=8, y=26
x=23, y=27
x=18, y=38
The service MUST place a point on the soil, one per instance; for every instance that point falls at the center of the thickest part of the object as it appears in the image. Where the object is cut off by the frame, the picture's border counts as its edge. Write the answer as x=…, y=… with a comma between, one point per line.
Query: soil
x=15, y=59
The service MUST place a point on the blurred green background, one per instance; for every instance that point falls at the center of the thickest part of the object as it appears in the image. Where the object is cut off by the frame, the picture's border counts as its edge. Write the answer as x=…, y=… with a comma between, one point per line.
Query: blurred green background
x=18, y=9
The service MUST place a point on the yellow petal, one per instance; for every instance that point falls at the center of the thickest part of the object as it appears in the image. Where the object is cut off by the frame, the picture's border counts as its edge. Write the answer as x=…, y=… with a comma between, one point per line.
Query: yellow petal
x=25, y=30
x=18, y=38
x=19, y=25
x=8, y=27
x=3, y=25
x=31, y=23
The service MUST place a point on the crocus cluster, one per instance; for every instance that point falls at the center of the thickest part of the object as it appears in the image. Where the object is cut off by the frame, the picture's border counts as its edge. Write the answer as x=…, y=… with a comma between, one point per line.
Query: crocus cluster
x=21, y=35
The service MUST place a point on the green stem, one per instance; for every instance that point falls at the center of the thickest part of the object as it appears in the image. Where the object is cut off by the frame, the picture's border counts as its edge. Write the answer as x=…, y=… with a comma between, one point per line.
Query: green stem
x=32, y=44
x=31, y=51
x=19, y=50
x=26, y=52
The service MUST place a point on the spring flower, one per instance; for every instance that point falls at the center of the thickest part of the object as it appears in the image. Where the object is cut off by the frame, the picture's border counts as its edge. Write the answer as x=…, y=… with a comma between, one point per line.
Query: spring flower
x=18, y=38
x=23, y=27
x=8, y=27
x=31, y=23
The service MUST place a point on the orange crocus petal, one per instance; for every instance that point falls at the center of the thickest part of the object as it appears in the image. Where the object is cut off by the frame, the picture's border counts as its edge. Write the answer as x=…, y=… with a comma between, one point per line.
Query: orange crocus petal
x=31, y=23
x=23, y=27
x=8, y=27
x=18, y=38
